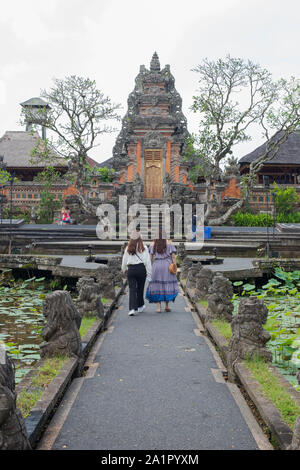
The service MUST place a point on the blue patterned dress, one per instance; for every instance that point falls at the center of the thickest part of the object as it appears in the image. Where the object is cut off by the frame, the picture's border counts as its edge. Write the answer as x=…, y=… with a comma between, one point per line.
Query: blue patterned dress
x=163, y=286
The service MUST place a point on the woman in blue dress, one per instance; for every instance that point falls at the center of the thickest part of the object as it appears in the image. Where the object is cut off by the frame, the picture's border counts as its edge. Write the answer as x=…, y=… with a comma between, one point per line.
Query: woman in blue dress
x=163, y=286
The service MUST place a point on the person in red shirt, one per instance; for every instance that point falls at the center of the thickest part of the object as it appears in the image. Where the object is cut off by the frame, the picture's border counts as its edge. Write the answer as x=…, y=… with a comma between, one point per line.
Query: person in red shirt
x=65, y=216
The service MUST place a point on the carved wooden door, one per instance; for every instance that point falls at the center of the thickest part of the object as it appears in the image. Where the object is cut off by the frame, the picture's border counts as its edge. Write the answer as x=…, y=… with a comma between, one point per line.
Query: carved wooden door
x=153, y=174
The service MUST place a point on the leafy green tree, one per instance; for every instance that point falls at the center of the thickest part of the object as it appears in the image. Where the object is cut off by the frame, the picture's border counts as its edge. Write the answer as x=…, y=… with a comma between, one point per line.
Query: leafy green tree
x=5, y=176
x=106, y=174
x=79, y=114
x=285, y=199
x=233, y=96
x=47, y=204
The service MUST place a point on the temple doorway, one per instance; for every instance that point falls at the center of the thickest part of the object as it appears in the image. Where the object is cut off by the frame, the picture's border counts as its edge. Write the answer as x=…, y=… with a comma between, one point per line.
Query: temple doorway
x=153, y=174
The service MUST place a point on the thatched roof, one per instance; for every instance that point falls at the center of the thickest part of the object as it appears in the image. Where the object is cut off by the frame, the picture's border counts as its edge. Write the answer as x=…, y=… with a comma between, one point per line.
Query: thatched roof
x=109, y=163
x=16, y=147
x=35, y=102
x=288, y=153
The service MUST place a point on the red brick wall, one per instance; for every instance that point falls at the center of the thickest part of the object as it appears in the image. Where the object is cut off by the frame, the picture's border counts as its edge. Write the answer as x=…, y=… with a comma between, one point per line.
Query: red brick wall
x=232, y=190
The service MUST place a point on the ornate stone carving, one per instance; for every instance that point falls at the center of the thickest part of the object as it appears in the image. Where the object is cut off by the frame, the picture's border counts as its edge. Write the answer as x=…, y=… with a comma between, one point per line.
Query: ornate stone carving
x=114, y=265
x=61, y=333
x=89, y=300
x=152, y=87
x=185, y=267
x=13, y=434
x=219, y=299
x=79, y=213
x=178, y=193
x=193, y=272
x=249, y=338
x=137, y=188
x=105, y=280
x=155, y=110
x=155, y=65
x=232, y=168
x=153, y=140
x=203, y=282
x=181, y=251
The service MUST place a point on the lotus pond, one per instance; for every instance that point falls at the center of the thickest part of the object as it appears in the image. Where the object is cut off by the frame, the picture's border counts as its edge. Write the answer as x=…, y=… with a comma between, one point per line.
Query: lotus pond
x=281, y=295
x=21, y=321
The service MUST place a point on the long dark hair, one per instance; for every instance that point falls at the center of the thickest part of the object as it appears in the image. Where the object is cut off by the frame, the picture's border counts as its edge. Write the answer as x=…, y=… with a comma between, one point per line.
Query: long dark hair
x=160, y=244
x=134, y=245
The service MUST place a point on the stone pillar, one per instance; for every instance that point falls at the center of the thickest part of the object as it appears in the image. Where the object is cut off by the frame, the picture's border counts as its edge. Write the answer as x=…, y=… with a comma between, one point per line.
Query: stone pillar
x=249, y=338
x=168, y=158
x=138, y=158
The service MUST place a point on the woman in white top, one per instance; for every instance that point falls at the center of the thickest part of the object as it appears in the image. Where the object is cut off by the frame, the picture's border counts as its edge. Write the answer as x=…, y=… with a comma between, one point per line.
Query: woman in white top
x=136, y=259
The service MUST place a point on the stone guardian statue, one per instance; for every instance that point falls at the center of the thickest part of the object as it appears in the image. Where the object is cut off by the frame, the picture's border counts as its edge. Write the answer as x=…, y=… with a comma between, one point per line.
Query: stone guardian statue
x=61, y=333
x=13, y=433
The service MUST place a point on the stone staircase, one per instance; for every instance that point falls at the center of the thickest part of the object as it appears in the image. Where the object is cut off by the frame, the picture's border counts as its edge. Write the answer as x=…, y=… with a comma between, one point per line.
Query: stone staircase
x=153, y=218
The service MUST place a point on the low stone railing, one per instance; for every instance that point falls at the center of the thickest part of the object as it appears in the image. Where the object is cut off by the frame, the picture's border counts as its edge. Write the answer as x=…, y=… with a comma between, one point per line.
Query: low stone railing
x=233, y=353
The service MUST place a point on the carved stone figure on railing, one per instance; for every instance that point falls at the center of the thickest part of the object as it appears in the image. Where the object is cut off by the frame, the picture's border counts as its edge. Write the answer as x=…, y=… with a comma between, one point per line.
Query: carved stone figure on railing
x=181, y=251
x=114, y=266
x=219, y=299
x=185, y=267
x=249, y=338
x=203, y=281
x=106, y=282
x=193, y=272
x=13, y=434
x=89, y=302
x=61, y=333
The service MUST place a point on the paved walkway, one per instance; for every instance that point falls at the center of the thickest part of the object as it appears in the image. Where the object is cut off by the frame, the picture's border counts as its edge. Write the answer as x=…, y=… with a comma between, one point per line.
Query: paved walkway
x=154, y=382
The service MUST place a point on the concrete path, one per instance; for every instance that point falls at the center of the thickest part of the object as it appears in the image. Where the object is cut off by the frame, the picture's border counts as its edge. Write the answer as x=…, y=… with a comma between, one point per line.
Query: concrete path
x=154, y=382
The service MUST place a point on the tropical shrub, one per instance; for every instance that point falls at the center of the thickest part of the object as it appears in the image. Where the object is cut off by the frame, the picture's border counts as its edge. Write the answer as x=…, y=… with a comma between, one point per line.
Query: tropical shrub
x=285, y=199
x=242, y=219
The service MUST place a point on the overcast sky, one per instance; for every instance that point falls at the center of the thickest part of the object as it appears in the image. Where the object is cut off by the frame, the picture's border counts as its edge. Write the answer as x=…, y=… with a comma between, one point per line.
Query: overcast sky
x=107, y=40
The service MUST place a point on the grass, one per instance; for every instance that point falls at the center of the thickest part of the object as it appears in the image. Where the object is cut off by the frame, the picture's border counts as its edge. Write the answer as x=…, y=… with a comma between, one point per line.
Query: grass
x=204, y=303
x=44, y=375
x=223, y=327
x=105, y=301
x=27, y=400
x=86, y=323
x=275, y=392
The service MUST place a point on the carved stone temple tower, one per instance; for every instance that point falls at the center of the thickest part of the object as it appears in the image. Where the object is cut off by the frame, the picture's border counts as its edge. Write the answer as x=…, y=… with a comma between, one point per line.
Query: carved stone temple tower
x=148, y=150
